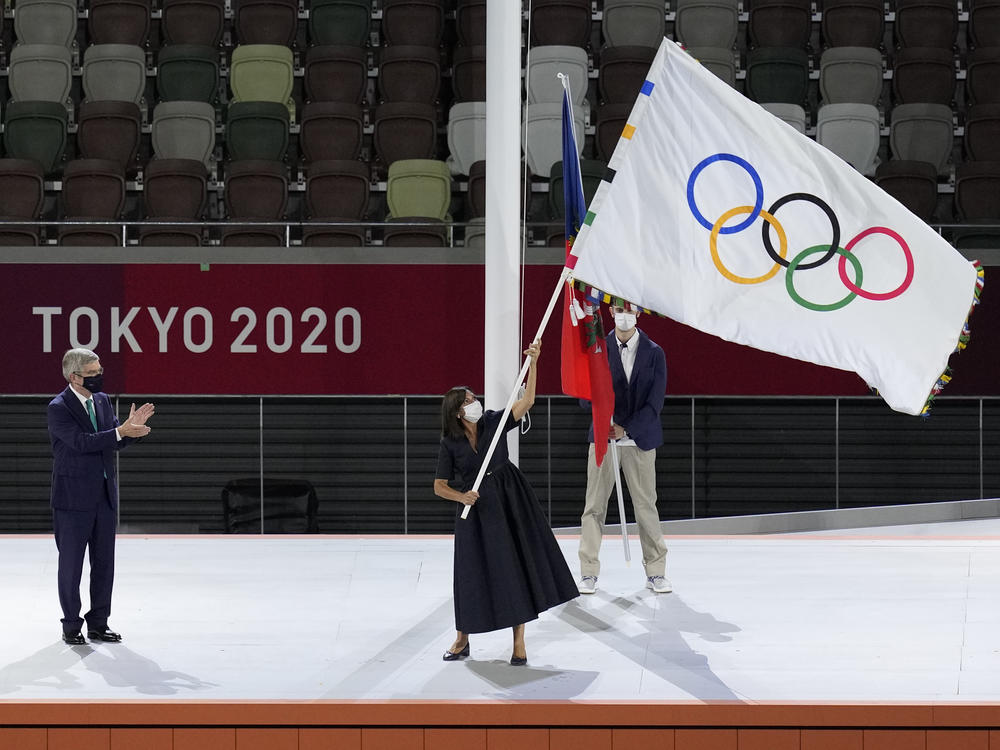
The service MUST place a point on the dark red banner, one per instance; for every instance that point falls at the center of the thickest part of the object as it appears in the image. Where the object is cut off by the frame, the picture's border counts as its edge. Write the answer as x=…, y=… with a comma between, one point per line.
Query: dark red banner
x=346, y=329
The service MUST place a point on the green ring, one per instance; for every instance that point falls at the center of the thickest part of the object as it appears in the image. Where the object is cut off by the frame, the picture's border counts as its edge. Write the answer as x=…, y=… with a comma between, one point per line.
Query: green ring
x=814, y=250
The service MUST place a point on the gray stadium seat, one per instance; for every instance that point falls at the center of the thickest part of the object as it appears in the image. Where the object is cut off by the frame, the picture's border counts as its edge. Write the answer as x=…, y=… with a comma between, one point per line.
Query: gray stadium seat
x=184, y=130
x=852, y=132
x=850, y=74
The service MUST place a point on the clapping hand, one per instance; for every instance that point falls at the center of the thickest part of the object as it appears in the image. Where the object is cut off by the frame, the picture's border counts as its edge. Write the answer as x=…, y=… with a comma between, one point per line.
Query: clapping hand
x=135, y=425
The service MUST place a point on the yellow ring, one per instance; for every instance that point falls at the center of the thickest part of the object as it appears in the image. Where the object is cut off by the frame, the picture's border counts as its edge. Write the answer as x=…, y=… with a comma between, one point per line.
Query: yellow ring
x=712, y=243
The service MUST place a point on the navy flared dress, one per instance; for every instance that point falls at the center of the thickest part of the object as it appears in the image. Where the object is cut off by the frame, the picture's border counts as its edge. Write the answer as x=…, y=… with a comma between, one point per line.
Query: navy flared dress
x=508, y=565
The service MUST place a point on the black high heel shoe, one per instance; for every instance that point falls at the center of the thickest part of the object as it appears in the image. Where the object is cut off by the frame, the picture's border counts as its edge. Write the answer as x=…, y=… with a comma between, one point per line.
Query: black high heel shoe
x=456, y=655
x=518, y=661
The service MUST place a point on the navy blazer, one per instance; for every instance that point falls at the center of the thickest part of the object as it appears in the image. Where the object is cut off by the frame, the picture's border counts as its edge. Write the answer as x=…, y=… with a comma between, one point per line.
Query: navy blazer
x=83, y=460
x=639, y=401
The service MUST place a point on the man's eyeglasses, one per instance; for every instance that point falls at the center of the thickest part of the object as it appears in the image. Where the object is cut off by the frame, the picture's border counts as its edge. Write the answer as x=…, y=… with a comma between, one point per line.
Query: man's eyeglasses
x=89, y=374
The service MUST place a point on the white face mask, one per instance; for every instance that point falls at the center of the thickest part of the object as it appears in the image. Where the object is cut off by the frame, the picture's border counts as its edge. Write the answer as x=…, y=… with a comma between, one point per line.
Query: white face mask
x=473, y=411
x=625, y=321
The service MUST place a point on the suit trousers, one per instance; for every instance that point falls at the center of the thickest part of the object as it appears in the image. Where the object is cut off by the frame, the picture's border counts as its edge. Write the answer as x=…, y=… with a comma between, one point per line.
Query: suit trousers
x=75, y=532
x=639, y=468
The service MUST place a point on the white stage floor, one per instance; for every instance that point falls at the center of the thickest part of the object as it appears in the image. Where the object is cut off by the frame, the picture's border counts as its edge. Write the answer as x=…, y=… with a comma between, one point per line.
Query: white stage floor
x=898, y=614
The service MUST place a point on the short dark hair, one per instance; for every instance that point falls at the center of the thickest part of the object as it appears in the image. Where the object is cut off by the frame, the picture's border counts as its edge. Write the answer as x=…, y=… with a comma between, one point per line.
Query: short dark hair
x=451, y=404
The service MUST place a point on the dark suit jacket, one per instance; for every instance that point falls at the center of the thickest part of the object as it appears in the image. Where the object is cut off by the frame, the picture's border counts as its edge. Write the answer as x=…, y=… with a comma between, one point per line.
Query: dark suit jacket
x=639, y=401
x=83, y=463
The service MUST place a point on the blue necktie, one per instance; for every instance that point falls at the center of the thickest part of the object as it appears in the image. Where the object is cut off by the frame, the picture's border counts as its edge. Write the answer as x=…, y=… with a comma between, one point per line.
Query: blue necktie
x=90, y=411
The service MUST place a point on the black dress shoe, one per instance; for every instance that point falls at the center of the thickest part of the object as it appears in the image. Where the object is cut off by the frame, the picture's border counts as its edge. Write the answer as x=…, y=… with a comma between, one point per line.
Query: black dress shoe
x=456, y=655
x=103, y=634
x=74, y=639
x=518, y=661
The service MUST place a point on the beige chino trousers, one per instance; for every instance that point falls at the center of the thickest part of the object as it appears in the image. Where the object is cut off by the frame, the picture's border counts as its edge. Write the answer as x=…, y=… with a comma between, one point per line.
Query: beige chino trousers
x=639, y=468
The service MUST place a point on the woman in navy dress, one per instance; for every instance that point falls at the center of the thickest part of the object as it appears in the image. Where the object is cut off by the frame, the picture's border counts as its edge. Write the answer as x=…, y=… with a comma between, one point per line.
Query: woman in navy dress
x=508, y=565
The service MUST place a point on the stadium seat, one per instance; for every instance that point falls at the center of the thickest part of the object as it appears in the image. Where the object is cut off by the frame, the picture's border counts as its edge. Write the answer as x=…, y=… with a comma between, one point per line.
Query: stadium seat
x=466, y=135
x=187, y=72
x=780, y=23
x=255, y=190
x=853, y=23
x=778, y=74
x=926, y=23
x=923, y=74
x=792, y=114
x=419, y=188
x=405, y=130
x=198, y=22
x=982, y=132
x=982, y=83
x=622, y=72
x=92, y=189
x=984, y=23
x=257, y=130
x=339, y=22
x=36, y=130
x=707, y=23
x=263, y=73
x=922, y=132
x=22, y=196
x=470, y=23
x=546, y=62
x=336, y=190
x=633, y=23
x=336, y=73
x=109, y=130
x=331, y=130
x=977, y=191
x=468, y=74
x=45, y=22
x=851, y=131
x=560, y=22
x=184, y=130
x=912, y=183
x=175, y=188
x=153, y=235
x=409, y=74
x=40, y=72
x=543, y=128
x=850, y=74
x=114, y=72
x=266, y=21
x=719, y=61
x=413, y=22
x=119, y=21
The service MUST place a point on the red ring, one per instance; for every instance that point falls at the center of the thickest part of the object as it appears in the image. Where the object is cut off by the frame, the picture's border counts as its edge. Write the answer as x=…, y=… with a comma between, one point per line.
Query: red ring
x=842, y=265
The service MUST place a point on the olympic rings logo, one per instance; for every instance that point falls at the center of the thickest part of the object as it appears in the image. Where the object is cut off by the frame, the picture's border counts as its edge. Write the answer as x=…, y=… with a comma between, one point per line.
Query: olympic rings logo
x=779, y=256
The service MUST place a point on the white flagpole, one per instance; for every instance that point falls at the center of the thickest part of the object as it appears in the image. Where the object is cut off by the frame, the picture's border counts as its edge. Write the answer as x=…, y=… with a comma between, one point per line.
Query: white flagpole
x=613, y=447
x=564, y=79
x=520, y=379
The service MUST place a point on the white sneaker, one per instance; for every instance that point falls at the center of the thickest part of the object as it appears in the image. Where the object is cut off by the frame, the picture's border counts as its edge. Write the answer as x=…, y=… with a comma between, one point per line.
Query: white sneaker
x=587, y=585
x=659, y=584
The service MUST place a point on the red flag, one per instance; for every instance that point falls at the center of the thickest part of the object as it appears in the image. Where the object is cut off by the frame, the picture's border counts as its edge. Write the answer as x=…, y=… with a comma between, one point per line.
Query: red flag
x=585, y=371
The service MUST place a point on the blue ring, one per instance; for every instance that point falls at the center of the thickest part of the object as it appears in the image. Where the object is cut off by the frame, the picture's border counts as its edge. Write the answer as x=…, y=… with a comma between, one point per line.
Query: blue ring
x=758, y=204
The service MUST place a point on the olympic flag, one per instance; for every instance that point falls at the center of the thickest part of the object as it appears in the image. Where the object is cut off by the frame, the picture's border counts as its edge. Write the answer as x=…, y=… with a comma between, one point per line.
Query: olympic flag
x=719, y=215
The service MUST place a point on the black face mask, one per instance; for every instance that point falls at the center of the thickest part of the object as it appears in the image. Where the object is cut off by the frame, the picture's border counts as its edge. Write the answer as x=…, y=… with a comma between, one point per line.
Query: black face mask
x=94, y=383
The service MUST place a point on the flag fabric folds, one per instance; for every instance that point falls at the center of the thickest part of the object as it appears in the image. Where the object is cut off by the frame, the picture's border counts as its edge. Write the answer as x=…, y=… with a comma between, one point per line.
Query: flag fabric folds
x=717, y=214
x=584, y=361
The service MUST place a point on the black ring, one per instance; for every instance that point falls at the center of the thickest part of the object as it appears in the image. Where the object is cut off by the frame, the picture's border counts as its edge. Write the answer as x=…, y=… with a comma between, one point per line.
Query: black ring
x=834, y=243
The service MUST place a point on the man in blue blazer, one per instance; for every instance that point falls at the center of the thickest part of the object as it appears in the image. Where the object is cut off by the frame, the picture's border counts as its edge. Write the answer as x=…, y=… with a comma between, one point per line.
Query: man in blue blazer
x=639, y=378
x=85, y=433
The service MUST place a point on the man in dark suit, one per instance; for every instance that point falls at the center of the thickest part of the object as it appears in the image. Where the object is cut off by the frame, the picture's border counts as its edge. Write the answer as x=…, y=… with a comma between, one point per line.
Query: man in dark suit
x=639, y=378
x=85, y=433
